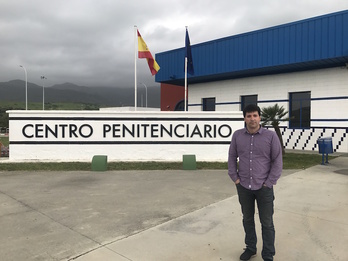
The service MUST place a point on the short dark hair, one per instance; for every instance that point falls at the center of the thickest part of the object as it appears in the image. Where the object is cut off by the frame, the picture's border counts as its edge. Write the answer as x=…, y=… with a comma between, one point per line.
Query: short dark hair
x=251, y=108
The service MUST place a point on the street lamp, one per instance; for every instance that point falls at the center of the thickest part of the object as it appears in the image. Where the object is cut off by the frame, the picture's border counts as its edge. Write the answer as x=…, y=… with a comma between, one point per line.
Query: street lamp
x=26, y=87
x=43, y=92
x=145, y=94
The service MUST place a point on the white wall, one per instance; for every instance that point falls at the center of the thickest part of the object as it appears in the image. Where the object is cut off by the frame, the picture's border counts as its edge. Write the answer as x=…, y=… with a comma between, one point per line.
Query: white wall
x=331, y=82
x=79, y=135
x=271, y=89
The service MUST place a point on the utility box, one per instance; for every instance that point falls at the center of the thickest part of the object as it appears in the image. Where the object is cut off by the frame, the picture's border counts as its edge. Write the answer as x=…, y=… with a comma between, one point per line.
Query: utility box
x=325, y=147
x=99, y=163
x=189, y=162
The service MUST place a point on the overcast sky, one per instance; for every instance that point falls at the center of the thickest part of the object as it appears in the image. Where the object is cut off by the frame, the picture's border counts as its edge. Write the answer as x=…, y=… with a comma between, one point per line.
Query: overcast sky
x=91, y=42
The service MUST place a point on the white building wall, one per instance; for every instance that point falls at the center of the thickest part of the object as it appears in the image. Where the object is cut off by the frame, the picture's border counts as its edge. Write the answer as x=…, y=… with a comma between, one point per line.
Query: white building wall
x=329, y=101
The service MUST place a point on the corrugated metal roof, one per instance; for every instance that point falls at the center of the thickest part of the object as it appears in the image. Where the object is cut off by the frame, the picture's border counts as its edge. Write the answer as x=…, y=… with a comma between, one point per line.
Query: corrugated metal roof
x=312, y=43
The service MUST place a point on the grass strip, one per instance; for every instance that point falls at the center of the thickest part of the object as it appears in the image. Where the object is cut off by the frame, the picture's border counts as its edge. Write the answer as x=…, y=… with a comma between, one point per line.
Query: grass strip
x=290, y=161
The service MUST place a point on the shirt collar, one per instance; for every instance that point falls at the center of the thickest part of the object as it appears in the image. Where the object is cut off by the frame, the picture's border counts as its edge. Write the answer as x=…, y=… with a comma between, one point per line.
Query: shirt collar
x=259, y=131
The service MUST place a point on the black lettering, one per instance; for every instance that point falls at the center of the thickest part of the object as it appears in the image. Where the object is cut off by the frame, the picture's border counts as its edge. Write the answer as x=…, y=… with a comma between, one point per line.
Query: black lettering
x=24, y=131
x=169, y=132
x=176, y=128
x=145, y=127
x=115, y=128
x=49, y=130
x=38, y=130
x=154, y=128
x=229, y=131
x=196, y=131
x=131, y=132
x=106, y=128
x=63, y=126
x=207, y=130
x=89, y=130
x=72, y=130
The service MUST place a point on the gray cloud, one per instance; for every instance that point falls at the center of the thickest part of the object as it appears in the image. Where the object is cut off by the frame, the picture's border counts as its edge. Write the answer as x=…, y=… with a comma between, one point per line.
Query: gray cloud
x=91, y=43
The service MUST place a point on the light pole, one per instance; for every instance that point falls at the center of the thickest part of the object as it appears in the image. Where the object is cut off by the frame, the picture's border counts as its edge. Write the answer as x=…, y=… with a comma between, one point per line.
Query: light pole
x=43, y=92
x=26, y=87
x=145, y=94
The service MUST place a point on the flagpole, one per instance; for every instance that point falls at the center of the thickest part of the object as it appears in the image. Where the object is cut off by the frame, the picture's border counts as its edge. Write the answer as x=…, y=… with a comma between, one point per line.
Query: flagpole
x=135, y=65
x=188, y=63
x=185, y=76
x=185, y=84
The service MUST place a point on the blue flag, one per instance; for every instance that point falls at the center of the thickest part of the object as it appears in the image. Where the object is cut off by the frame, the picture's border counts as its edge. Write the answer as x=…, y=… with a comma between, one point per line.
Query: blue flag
x=188, y=54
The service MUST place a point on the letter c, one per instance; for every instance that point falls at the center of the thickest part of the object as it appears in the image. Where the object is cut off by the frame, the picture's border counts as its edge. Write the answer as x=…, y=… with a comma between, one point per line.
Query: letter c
x=24, y=131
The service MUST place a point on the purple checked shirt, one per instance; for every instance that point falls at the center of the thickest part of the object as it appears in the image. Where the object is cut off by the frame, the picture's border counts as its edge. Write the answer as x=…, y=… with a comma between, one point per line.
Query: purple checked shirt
x=260, y=158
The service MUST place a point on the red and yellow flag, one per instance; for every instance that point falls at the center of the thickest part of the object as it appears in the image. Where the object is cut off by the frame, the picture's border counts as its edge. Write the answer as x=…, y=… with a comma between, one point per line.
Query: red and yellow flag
x=144, y=52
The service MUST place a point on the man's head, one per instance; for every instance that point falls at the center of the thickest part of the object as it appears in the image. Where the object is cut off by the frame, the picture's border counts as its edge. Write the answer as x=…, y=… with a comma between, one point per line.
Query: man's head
x=251, y=108
x=252, y=117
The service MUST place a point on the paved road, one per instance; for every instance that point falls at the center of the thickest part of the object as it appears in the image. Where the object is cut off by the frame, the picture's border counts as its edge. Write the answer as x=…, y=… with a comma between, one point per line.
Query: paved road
x=164, y=215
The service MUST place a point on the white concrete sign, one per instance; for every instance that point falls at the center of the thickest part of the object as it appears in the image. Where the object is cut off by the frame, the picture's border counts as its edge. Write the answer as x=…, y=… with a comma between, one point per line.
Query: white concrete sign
x=122, y=136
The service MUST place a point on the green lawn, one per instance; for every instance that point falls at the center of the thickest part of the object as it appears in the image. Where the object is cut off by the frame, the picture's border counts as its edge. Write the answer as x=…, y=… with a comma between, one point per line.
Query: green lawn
x=291, y=161
x=301, y=160
x=4, y=140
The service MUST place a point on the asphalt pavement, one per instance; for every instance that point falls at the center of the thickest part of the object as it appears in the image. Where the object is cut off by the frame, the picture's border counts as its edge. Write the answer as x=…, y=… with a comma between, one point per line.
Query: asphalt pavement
x=166, y=215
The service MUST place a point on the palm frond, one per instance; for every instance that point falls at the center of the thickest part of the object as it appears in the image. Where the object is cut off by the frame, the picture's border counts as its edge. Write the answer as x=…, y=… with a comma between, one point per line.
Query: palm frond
x=273, y=115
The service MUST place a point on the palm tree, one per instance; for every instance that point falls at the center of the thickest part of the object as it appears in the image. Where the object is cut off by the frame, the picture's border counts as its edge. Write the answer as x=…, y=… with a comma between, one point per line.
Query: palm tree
x=274, y=115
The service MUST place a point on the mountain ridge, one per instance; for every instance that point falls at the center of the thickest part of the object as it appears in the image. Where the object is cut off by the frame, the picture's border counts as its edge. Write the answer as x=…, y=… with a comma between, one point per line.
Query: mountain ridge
x=14, y=90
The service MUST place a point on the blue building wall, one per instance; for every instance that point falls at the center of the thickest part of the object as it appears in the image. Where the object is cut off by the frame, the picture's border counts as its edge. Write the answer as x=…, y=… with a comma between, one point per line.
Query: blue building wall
x=318, y=42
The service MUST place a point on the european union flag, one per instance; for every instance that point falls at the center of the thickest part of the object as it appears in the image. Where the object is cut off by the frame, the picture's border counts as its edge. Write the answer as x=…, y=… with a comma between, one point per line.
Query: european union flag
x=188, y=54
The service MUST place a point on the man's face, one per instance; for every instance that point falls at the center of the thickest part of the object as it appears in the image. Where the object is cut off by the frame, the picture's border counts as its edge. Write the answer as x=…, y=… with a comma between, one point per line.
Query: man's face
x=252, y=120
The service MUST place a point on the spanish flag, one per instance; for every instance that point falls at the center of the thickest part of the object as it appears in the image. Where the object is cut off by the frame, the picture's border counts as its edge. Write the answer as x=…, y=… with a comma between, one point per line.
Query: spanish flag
x=144, y=52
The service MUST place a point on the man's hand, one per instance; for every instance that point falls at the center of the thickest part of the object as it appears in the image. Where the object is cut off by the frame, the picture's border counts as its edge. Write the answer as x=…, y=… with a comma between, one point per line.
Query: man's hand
x=237, y=181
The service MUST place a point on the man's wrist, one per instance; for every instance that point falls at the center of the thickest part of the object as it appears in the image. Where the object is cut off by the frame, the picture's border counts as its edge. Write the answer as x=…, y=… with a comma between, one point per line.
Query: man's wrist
x=268, y=184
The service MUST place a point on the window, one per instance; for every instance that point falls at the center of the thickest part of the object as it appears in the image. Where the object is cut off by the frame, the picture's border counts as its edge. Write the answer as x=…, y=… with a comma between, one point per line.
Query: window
x=248, y=99
x=209, y=104
x=300, y=110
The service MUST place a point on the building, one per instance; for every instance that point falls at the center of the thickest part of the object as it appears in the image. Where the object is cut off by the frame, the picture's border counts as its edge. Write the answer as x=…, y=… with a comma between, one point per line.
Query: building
x=302, y=66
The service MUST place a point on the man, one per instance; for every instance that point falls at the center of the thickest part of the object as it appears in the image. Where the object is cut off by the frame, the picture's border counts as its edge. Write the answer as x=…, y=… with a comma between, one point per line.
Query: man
x=260, y=166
